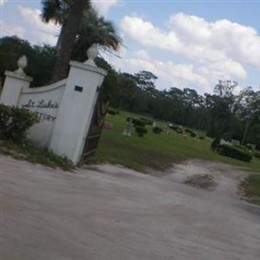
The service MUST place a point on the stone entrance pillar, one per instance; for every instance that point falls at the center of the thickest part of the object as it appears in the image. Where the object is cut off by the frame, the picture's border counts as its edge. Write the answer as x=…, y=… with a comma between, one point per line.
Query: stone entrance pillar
x=76, y=109
x=14, y=83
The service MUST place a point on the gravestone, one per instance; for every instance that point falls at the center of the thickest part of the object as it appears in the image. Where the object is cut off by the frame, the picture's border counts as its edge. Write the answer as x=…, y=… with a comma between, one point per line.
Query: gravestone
x=128, y=130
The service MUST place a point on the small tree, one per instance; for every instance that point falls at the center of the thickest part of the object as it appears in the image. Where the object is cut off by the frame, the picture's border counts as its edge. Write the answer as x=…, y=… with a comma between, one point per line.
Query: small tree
x=248, y=104
x=14, y=123
x=221, y=110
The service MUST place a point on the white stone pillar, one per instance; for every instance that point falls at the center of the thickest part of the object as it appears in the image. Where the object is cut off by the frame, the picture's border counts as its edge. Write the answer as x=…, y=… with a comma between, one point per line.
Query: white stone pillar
x=14, y=82
x=76, y=110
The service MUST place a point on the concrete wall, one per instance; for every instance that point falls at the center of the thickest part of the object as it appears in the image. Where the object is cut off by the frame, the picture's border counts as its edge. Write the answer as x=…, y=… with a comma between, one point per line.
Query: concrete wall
x=65, y=108
x=45, y=101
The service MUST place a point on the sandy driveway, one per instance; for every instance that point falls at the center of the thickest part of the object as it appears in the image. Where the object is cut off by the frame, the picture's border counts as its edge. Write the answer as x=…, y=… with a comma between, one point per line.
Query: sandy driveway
x=109, y=213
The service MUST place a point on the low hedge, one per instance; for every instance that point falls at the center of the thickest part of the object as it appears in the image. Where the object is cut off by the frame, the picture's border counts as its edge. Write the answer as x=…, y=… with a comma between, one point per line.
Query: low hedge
x=136, y=121
x=191, y=133
x=146, y=121
x=112, y=111
x=234, y=152
x=14, y=123
x=140, y=130
x=257, y=155
x=177, y=129
x=157, y=130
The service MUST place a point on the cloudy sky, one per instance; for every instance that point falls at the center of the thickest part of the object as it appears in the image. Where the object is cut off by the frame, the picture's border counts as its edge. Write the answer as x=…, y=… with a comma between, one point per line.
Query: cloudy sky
x=185, y=43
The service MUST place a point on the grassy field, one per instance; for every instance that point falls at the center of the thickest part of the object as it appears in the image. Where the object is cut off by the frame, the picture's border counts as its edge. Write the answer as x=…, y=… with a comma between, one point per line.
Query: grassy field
x=159, y=152
x=156, y=151
x=251, y=187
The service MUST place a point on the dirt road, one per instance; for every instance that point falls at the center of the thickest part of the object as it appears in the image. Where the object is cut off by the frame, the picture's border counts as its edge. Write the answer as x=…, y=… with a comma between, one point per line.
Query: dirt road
x=110, y=213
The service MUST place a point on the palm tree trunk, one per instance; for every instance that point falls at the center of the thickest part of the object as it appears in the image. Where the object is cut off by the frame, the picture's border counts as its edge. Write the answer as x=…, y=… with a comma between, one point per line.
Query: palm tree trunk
x=66, y=40
x=58, y=44
x=245, y=132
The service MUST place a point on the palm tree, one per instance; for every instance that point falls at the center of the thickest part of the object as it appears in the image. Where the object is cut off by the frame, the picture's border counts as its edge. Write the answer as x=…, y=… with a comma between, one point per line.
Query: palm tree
x=55, y=10
x=67, y=13
x=90, y=29
x=95, y=30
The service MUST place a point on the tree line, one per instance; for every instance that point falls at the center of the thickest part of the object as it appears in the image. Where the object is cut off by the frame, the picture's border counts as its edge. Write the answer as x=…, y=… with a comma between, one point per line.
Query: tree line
x=222, y=114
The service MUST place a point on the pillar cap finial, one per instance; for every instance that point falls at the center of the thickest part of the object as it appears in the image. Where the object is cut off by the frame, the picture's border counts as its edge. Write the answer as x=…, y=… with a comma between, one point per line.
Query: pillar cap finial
x=21, y=63
x=92, y=53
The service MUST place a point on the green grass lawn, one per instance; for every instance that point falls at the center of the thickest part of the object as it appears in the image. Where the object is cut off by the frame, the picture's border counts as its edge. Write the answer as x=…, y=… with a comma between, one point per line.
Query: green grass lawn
x=161, y=151
x=156, y=151
x=251, y=188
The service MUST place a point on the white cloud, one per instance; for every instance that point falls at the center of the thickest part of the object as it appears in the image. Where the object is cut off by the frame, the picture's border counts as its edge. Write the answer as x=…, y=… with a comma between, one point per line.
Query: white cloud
x=217, y=50
x=36, y=30
x=103, y=6
x=197, y=39
x=191, y=28
x=169, y=73
x=3, y=2
x=10, y=30
x=148, y=35
x=183, y=75
x=227, y=69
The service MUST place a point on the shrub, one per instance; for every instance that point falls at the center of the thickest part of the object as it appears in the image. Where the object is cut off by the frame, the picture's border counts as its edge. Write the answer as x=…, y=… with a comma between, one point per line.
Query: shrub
x=14, y=123
x=157, y=130
x=140, y=130
x=136, y=122
x=234, y=152
x=179, y=130
x=193, y=134
x=215, y=144
x=188, y=131
x=257, y=154
x=146, y=121
x=112, y=111
x=173, y=127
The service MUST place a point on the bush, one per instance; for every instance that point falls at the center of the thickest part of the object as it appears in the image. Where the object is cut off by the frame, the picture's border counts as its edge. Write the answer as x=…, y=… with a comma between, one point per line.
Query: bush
x=112, y=111
x=179, y=130
x=193, y=135
x=157, y=130
x=215, y=144
x=136, y=122
x=173, y=127
x=14, y=123
x=140, y=130
x=146, y=121
x=188, y=131
x=234, y=152
x=257, y=154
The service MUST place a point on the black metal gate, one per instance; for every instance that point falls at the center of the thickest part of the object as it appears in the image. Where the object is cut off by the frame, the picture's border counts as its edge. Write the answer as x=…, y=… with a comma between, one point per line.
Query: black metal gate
x=95, y=130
